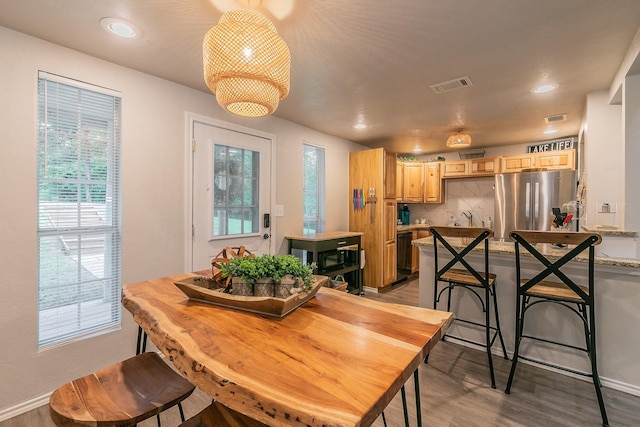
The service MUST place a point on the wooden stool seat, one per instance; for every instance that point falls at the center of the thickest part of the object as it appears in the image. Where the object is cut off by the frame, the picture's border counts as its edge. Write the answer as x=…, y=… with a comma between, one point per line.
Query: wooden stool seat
x=554, y=290
x=120, y=395
x=218, y=415
x=458, y=275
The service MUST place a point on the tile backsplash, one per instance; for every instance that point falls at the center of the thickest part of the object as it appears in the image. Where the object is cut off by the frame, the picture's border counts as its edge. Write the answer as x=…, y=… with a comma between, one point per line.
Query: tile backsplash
x=471, y=195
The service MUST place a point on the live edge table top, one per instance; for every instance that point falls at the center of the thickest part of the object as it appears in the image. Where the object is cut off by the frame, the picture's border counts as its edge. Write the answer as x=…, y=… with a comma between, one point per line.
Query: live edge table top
x=337, y=360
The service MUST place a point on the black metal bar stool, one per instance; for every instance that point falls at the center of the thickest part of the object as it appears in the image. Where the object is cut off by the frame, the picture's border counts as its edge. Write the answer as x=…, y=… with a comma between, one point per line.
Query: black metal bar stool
x=578, y=299
x=481, y=284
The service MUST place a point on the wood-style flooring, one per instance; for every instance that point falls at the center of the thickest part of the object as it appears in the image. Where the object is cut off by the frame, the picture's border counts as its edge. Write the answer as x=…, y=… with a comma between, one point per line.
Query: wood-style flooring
x=455, y=391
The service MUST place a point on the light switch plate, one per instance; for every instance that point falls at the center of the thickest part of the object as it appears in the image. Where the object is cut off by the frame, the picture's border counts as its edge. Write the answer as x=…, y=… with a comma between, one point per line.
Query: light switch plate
x=279, y=210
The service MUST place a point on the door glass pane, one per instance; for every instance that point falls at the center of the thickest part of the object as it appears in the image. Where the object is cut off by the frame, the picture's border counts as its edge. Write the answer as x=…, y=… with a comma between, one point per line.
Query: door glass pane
x=236, y=191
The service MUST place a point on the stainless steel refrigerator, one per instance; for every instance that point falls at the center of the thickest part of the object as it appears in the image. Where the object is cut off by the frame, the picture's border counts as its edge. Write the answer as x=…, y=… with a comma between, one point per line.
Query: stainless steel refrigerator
x=524, y=201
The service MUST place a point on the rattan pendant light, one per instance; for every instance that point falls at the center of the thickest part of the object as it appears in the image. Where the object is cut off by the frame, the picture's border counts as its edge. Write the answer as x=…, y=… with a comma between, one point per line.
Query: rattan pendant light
x=246, y=64
x=459, y=139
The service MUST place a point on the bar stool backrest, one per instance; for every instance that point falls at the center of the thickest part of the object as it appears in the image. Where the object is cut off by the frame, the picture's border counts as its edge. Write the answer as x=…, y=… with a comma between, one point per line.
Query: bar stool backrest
x=469, y=238
x=576, y=243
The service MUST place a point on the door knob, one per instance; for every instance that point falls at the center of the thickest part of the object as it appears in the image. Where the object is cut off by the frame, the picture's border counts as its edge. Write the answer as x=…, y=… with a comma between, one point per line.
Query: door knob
x=265, y=236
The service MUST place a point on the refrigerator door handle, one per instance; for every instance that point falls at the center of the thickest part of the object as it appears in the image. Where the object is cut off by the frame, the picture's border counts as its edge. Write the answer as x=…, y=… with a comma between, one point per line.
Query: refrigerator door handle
x=536, y=204
x=527, y=198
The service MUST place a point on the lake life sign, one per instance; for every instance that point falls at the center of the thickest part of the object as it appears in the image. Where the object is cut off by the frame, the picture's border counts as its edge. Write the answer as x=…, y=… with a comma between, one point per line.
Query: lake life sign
x=555, y=145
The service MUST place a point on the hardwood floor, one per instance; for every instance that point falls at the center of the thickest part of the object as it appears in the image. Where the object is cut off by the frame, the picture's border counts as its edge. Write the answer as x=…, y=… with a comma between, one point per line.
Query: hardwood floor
x=455, y=392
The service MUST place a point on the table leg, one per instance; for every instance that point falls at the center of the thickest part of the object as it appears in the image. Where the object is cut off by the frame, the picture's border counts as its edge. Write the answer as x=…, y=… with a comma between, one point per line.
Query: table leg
x=416, y=381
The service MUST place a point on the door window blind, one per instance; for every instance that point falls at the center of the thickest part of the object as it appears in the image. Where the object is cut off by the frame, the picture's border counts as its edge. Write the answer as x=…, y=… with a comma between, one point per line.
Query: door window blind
x=79, y=279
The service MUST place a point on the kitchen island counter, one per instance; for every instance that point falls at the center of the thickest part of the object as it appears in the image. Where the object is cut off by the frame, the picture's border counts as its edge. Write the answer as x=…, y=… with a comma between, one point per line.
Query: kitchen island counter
x=617, y=282
x=507, y=248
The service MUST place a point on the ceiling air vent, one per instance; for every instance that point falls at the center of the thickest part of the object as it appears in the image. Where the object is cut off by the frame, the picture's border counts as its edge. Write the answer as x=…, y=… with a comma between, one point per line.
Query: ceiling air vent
x=555, y=118
x=451, y=85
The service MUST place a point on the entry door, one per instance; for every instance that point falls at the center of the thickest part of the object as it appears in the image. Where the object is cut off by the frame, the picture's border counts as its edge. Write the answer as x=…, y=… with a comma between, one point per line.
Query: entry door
x=231, y=191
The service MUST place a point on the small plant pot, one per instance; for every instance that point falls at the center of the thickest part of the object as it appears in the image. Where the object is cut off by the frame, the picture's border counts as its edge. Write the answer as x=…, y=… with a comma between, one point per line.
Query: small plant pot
x=239, y=287
x=264, y=287
x=285, y=285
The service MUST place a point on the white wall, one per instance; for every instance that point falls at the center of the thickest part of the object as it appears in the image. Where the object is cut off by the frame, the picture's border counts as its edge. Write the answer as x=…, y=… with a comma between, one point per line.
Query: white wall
x=604, y=159
x=153, y=201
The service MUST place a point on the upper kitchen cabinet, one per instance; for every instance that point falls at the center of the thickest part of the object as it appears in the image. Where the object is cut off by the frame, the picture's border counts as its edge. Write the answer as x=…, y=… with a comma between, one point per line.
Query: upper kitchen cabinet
x=517, y=163
x=390, y=177
x=399, y=180
x=473, y=167
x=556, y=160
x=433, y=183
x=549, y=160
x=413, y=182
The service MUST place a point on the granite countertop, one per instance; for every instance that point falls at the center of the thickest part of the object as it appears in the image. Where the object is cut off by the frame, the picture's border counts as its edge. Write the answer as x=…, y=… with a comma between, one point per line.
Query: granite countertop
x=411, y=227
x=507, y=248
x=609, y=231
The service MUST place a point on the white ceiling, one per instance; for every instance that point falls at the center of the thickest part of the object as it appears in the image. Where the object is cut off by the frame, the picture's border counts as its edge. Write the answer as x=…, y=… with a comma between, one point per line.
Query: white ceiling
x=374, y=60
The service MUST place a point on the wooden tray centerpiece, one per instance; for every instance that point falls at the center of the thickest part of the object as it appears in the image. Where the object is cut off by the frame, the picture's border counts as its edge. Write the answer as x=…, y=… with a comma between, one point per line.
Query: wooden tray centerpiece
x=288, y=284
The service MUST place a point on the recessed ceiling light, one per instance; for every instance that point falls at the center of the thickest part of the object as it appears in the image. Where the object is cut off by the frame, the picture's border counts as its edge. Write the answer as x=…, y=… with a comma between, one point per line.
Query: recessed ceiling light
x=545, y=88
x=359, y=126
x=549, y=131
x=417, y=150
x=120, y=28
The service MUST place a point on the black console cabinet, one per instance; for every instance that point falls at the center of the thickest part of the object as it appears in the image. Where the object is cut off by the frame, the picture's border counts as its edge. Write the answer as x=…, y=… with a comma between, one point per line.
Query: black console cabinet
x=335, y=253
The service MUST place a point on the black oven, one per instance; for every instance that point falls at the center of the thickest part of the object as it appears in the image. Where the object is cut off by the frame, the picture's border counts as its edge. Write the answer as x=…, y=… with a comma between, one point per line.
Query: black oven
x=330, y=260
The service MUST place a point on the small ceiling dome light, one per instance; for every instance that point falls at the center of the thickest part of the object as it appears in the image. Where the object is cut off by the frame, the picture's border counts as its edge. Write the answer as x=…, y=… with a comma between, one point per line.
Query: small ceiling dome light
x=459, y=139
x=550, y=131
x=246, y=64
x=120, y=28
x=359, y=126
x=546, y=88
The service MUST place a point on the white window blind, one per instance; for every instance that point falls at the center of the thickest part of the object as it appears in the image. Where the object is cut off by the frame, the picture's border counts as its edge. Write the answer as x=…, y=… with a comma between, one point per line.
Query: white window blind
x=313, y=191
x=79, y=279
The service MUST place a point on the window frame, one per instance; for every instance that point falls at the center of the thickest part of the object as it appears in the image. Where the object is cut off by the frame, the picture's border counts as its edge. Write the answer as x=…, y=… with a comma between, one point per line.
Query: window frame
x=319, y=190
x=95, y=135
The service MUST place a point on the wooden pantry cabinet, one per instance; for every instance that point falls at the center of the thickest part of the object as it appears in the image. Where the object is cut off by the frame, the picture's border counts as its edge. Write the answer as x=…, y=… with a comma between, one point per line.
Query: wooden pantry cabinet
x=399, y=180
x=376, y=169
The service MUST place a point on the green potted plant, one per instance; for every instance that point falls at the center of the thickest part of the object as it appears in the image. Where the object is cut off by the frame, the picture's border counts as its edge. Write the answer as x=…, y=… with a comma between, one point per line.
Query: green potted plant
x=290, y=273
x=259, y=275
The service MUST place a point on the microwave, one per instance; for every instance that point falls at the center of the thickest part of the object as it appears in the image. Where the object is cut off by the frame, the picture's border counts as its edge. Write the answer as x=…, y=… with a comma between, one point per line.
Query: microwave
x=330, y=260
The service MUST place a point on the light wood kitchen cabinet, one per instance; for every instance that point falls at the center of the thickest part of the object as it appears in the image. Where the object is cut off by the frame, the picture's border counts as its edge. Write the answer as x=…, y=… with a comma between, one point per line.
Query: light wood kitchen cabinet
x=484, y=166
x=517, y=162
x=399, y=180
x=433, y=184
x=415, y=251
x=389, y=259
x=556, y=160
x=390, y=163
x=455, y=168
x=549, y=160
x=412, y=187
x=377, y=221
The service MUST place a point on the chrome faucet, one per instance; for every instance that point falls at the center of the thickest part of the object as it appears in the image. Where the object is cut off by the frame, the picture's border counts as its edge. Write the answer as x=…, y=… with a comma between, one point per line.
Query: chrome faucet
x=469, y=217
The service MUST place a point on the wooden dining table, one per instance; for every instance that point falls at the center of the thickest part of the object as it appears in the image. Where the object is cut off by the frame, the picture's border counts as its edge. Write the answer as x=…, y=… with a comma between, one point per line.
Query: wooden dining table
x=337, y=360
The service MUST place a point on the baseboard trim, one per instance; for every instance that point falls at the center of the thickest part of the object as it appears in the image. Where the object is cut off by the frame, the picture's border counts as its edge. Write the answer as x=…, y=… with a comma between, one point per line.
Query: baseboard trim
x=606, y=382
x=25, y=406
